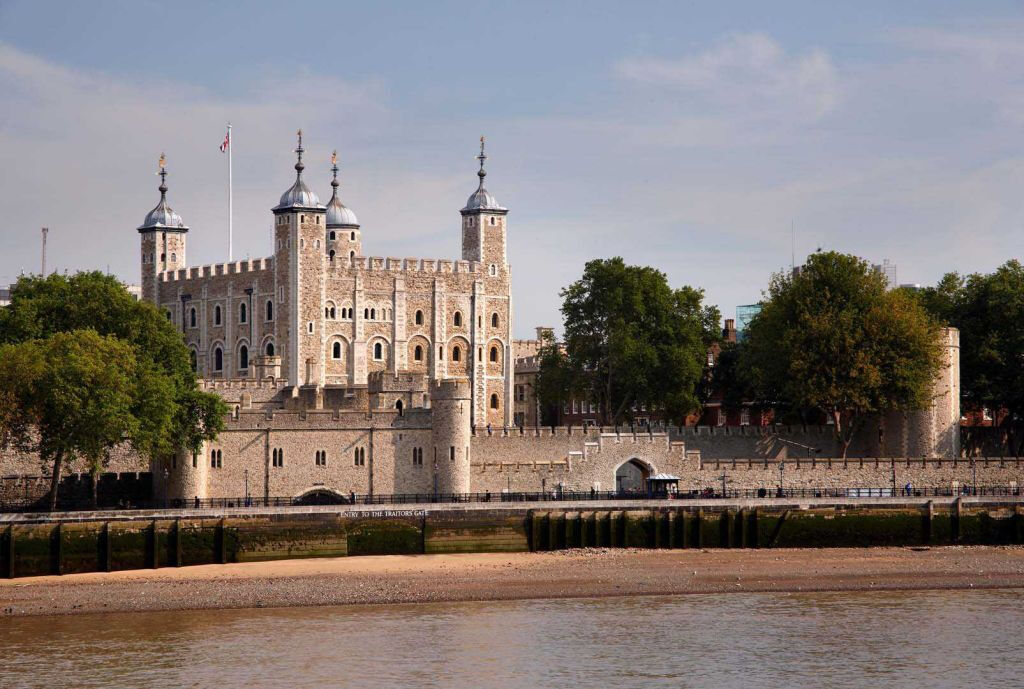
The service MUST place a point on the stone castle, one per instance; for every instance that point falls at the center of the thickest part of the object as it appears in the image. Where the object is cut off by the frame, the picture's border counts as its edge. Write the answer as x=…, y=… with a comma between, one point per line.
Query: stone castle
x=351, y=374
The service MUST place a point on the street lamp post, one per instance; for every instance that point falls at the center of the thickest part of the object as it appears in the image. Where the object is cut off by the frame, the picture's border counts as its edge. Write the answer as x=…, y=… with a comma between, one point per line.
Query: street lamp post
x=246, y=487
x=167, y=478
x=782, y=467
x=974, y=477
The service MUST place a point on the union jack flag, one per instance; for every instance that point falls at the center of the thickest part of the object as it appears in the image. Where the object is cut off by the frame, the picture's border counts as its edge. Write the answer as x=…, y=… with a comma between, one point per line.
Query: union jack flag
x=227, y=142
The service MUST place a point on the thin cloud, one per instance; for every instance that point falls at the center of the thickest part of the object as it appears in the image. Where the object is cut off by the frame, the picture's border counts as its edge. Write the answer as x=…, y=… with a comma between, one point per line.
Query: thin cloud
x=744, y=70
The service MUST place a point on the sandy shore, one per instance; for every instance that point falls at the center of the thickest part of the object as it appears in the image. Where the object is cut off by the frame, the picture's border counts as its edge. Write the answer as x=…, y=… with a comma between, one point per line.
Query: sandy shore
x=565, y=574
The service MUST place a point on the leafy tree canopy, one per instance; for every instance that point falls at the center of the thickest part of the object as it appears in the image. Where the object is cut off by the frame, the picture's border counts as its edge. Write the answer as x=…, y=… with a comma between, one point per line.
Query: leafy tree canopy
x=170, y=411
x=831, y=337
x=631, y=339
x=988, y=309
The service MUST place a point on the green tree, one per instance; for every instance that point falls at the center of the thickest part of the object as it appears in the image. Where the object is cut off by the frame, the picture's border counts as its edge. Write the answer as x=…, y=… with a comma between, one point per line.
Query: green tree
x=173, y=412
x=631, y=339
x=557, y=380
x=988, y=309
x=832, y=338
x=74, y=396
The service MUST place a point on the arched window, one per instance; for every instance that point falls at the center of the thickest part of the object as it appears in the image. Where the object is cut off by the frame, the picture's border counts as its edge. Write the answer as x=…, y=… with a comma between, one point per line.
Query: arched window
x=398, y=406
x=494, y=320
x=330, y=254
x=373, y=314
x=332, y=313
x=456, y=353
x=457, y=319
x=333, y=237
x=241, y=312
x=419, y=317
x=163, y=257
x=218, y=359
x=192, y=317
x=270, y=349
x=378, y=351
x=270, y=309
x=353, y=236
x=243, y=357
x=351, y=255
x=494, y=401
x=494, y=354
x=366, y=314
x=417, y=353
x=336, y=350
x=216, y=315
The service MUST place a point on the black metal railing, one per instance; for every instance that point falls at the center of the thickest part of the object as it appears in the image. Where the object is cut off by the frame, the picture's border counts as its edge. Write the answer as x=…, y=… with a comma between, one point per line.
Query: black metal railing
x=333, y=498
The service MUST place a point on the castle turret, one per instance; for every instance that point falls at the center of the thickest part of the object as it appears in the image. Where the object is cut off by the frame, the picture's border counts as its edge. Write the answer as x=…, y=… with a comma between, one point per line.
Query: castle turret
x=483, y=225
x=299, y=258
x=343, y=238
x=451, y=431
x=935, y=431
x=163, y=240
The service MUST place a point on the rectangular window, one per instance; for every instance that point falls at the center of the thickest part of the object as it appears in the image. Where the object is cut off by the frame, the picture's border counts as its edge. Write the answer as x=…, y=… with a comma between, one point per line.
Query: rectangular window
x=451, y=453
x=744, y=417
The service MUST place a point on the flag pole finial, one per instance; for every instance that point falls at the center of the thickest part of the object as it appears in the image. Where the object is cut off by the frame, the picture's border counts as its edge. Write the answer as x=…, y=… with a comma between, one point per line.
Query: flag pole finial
x=482, y=157
x=299, y=167
x=334, y=170
x=163, y=175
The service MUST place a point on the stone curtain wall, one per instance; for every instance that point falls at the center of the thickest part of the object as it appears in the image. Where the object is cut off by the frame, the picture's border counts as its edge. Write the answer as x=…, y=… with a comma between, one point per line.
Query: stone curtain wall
x=748, y=456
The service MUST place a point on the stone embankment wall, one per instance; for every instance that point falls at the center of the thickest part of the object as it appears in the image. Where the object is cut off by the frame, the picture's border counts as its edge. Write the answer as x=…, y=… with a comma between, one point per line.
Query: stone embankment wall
x=56, y=545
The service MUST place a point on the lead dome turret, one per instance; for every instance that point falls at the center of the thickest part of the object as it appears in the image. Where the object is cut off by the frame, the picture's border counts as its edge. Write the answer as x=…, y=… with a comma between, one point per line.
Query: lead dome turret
x=163, y=217
x=299, y=195
x=338, y=214
x=481, y=199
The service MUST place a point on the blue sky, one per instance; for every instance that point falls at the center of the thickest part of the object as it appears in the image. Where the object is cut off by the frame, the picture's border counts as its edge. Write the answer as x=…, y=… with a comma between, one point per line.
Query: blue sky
x=688, y=136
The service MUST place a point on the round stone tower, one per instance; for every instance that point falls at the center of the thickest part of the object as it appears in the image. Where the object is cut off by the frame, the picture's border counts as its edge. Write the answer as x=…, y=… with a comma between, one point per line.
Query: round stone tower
x=935, y=431
x=184, y=478
x=451, y=410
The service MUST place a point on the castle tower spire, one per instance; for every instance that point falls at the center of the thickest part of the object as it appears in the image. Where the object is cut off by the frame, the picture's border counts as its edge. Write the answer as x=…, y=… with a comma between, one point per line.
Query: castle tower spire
x=299, y=167
x=163, y=177
x=339, y=216
x=481, y=157
x=162, y=234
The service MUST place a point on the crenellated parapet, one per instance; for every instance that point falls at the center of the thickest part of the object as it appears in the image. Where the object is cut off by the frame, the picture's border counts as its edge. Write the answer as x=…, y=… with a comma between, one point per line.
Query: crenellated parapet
x=390, y=264
x=217, y=269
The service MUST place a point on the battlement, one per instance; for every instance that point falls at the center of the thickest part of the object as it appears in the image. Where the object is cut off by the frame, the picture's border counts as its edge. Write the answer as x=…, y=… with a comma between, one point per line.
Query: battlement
x=794, y=463
x=450, y=390
x=680, y=432
x=339, y=420
x=385, y=381
x=214, y=269
x=404, y=265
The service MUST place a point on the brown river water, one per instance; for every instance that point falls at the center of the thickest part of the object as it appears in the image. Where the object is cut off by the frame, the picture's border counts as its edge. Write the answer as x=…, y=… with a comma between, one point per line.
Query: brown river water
x=876, y=639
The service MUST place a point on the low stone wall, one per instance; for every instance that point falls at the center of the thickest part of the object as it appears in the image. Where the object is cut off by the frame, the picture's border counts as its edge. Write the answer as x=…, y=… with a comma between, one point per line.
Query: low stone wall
x=113, y=490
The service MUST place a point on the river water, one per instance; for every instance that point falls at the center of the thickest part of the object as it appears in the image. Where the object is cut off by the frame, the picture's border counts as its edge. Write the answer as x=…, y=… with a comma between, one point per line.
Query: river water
x=877, y=639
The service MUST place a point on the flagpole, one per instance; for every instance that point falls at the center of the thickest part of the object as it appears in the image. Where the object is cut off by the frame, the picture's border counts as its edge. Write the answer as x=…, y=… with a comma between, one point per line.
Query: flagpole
x=231, y=146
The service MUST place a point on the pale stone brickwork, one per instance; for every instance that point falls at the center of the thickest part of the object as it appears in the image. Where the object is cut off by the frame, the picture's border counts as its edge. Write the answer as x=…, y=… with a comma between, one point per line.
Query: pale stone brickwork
x=318, y=312
x=353, y=374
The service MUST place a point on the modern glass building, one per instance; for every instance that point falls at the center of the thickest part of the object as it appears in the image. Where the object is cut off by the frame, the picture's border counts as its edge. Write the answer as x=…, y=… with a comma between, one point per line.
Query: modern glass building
x=745, y=314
